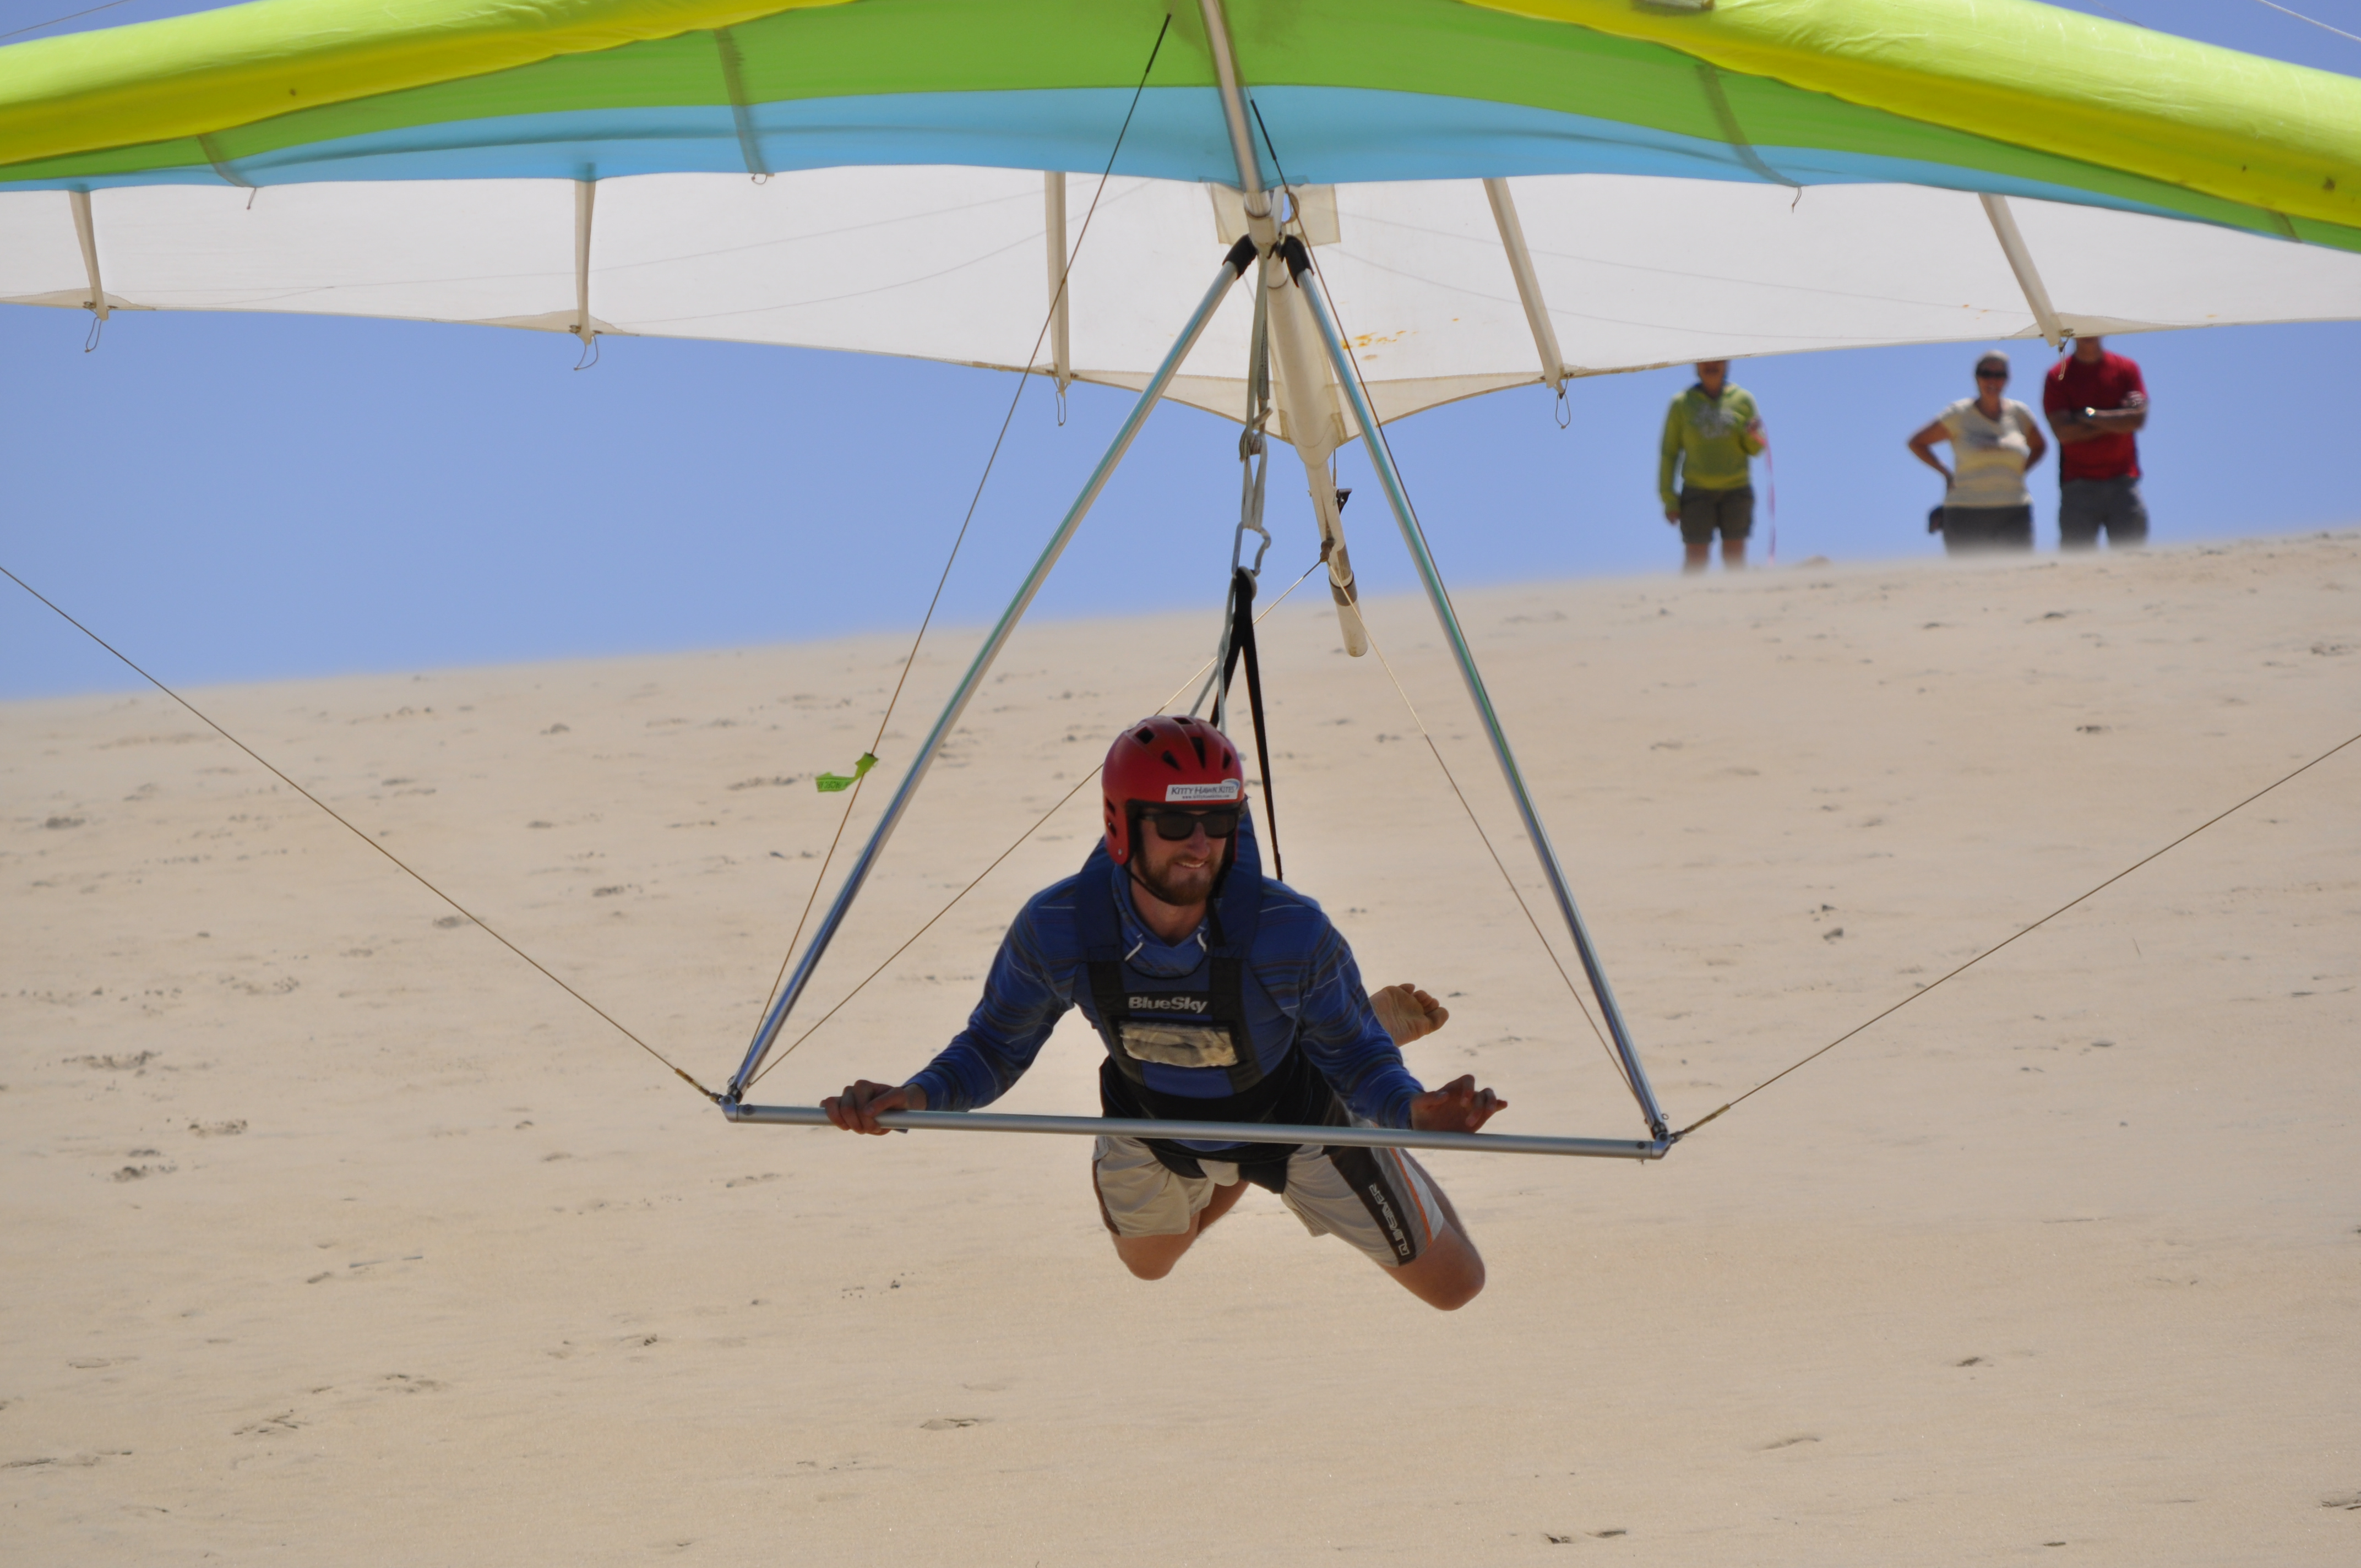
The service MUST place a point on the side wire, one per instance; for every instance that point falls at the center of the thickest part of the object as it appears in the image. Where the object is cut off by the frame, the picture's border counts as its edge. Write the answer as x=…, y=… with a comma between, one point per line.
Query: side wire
x=1042, y=822
x=78, y=15
x=1023, y=381
x=407, y=869
x=2036, y=926
x=1514, y=890
x=2315, y=21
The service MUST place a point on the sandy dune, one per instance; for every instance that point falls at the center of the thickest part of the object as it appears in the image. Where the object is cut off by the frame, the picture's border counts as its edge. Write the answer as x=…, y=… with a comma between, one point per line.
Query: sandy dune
x=333, y=1233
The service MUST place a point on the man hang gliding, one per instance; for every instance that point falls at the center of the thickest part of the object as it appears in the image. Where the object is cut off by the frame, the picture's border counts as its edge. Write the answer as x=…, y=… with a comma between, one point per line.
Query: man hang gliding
x=1221, y=996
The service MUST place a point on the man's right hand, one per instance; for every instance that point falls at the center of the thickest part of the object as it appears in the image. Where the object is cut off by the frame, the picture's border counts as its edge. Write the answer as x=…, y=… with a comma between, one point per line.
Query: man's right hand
x=1457, y=1107
x=857, y=1109
x=1673, y=515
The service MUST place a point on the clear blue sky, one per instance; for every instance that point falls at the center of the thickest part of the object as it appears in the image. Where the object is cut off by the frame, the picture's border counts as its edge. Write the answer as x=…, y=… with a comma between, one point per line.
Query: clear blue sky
x=253, y=496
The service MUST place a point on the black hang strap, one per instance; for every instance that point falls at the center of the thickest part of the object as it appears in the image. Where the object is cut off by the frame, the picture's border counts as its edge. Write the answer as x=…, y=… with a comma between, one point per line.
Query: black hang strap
x=1242, y=641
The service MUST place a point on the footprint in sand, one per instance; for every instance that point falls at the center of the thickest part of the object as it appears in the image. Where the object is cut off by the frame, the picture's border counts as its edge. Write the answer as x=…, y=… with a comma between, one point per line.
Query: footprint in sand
x=131, y=1063
x=70, y=1461
x=217, y=1129
x=270, y=1426
x=951, y=1423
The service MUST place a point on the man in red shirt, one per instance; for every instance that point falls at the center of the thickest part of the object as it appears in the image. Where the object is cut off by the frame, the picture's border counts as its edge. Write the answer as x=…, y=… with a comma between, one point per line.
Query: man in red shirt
x=2095, y=401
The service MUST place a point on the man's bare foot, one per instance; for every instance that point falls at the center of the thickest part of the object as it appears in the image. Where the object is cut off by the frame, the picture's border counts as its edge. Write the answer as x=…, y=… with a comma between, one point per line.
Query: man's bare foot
x=1408, y=1012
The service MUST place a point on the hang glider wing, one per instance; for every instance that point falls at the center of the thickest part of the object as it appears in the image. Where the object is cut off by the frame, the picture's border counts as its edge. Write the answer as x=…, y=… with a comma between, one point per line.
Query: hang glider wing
x=1499, y=193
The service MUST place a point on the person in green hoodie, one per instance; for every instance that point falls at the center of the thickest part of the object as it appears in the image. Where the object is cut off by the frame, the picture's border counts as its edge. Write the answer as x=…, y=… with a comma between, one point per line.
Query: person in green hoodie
x=1711, y=432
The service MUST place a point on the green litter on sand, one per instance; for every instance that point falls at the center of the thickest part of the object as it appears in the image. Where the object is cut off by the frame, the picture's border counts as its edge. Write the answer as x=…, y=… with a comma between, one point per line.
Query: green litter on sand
x=830, y=783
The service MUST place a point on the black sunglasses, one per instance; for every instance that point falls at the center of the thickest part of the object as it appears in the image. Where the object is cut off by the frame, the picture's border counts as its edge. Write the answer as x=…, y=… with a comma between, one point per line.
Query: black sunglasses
x=1173, y=826
x=1991, y=375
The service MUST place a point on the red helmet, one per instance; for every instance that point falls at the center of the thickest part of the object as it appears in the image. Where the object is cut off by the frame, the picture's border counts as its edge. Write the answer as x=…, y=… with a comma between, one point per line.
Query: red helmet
x=1172, y=759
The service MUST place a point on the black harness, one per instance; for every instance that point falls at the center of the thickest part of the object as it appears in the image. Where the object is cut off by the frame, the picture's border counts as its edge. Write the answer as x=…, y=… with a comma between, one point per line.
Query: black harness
x=1146, y=1020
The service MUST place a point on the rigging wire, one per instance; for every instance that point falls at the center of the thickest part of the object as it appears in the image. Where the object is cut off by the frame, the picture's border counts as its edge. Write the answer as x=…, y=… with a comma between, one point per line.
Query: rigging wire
x=2300, y=17
x=1514, y=890
x=2036, y=926
x=1254, y=462
x=1079, y=786
x=410, y=870
x=71, y=17
x=1024, y=379
x=2274, y=4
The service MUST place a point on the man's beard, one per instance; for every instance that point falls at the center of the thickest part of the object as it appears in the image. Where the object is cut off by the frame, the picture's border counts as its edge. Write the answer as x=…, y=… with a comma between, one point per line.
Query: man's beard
x=1164, y=889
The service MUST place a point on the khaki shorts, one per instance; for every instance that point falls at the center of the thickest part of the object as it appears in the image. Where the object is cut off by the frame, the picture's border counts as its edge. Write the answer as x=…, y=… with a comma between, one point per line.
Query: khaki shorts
x=1703, y=512
x=1380, y=1201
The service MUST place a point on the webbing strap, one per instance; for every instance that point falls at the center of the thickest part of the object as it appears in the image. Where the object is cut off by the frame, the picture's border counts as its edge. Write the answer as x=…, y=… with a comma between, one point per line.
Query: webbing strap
x=1242, y=641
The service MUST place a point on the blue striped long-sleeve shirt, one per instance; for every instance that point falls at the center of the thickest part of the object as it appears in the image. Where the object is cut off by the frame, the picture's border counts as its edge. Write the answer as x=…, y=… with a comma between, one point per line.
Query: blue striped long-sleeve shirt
x=1301, y=987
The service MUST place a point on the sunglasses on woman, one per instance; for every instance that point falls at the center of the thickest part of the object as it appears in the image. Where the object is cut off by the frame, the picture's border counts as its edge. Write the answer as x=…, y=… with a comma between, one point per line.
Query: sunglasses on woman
x=1173, y=826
